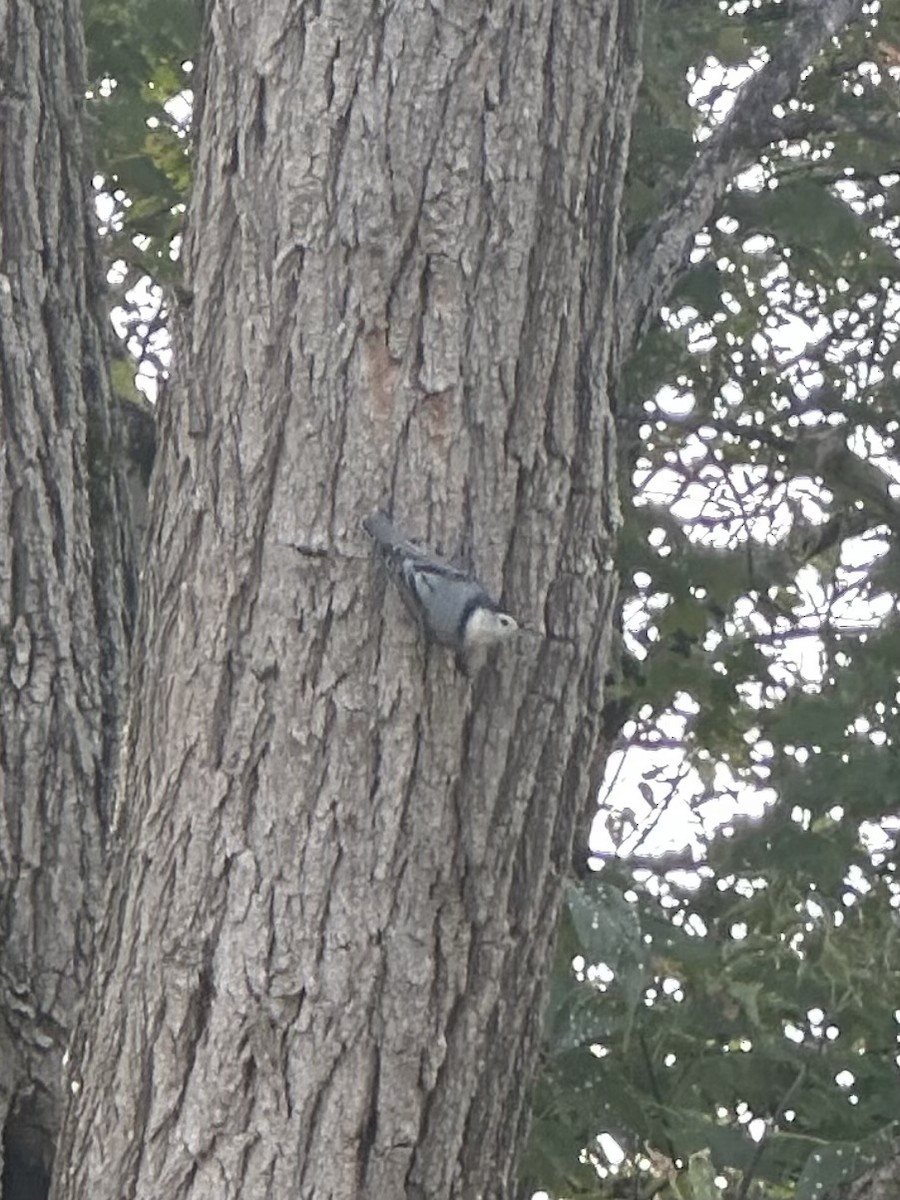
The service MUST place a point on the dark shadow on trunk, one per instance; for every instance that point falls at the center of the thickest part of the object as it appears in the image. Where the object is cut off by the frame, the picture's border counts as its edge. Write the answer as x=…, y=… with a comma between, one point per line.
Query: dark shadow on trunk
x=27, y=1151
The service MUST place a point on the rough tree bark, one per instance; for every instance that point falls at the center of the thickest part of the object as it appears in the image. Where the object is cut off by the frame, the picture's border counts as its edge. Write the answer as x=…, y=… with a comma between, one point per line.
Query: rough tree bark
x=340, y=864
x=64, y=567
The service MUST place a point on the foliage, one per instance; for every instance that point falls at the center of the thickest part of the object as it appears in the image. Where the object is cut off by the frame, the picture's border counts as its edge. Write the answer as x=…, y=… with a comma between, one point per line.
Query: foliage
x=736, y=973
x=139, y=67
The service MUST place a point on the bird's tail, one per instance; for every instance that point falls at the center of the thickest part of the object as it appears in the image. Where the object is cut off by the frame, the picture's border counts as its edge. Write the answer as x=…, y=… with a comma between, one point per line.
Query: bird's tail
x=390, y=545
x=381, y=529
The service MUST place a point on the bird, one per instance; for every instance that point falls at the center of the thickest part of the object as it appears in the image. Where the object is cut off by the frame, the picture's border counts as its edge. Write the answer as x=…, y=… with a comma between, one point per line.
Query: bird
x=451, y=607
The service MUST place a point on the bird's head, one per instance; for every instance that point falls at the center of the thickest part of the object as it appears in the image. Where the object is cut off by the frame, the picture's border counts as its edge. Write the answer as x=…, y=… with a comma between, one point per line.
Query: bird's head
x=487, y=626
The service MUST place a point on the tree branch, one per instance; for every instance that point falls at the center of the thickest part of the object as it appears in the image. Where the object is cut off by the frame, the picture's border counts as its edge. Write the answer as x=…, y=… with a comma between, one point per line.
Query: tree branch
x=825, y=452
x=660, y=256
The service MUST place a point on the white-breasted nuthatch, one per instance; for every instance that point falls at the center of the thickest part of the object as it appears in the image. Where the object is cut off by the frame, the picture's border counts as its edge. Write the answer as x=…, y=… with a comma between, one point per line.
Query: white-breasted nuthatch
x=452, y=608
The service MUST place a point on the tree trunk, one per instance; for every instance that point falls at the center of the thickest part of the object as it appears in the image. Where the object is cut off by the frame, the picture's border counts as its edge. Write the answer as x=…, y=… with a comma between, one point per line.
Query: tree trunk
x=881, y=1184
x=63, y=570
x=340, y=866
